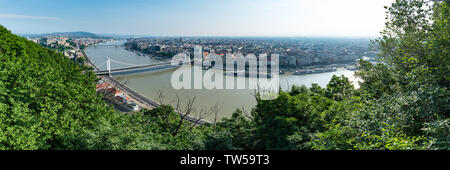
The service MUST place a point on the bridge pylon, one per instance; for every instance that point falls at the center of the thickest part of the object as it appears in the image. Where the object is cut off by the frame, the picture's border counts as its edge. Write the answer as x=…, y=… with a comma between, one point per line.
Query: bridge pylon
x=108, y=66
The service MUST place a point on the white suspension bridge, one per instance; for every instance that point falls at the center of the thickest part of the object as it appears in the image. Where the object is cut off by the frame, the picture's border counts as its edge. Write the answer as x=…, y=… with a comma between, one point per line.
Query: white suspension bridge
x=132, y=93
x=132, y=68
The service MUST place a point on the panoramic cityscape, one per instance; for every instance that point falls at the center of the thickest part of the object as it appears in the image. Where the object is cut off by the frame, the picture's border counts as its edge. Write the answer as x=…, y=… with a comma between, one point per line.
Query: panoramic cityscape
x=224, y=75
x=314, y=58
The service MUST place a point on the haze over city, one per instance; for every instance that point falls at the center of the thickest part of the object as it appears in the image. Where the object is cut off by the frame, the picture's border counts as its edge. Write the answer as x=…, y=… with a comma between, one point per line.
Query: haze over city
x=197, y=17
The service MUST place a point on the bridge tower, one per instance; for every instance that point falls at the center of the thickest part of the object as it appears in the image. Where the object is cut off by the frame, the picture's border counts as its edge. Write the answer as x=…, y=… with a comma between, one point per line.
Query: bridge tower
x=108, y=66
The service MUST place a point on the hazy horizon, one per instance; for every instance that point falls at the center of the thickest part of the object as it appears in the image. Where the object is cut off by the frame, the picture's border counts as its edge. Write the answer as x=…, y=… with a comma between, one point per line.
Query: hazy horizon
x=200, y=36
x=198, y=18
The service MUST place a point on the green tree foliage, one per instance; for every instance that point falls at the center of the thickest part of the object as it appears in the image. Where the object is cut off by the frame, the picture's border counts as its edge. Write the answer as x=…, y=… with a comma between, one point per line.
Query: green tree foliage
x=235, y=133
x=45, y=99
x=404, y=99
x=339, y=88
x=414, y=51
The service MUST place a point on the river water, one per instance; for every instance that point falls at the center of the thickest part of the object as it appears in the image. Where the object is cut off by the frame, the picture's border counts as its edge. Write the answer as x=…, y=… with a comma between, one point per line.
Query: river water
x=150, y=84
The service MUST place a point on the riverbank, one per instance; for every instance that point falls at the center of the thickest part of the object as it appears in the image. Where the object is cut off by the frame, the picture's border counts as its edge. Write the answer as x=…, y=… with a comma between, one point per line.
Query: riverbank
x=153, y=56
x=317, y=69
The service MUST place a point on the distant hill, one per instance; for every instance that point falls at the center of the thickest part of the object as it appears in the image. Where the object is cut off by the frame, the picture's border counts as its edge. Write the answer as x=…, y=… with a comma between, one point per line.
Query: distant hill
x=67, y=34
x=119, y=35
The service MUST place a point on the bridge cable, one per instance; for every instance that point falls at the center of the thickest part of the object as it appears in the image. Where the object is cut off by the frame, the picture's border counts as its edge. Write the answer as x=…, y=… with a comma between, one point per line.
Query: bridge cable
x=120, y=62
x=99, y=67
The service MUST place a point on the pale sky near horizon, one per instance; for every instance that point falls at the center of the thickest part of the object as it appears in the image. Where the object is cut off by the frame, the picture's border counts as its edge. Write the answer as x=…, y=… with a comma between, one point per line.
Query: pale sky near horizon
x=197, y=17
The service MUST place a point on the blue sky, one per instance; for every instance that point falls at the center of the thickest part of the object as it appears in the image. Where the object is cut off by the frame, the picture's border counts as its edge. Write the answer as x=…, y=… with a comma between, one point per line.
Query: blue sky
x=197, y=17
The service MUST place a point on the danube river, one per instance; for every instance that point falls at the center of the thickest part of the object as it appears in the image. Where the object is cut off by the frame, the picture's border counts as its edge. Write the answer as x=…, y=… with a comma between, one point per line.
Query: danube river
x=150, y=83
